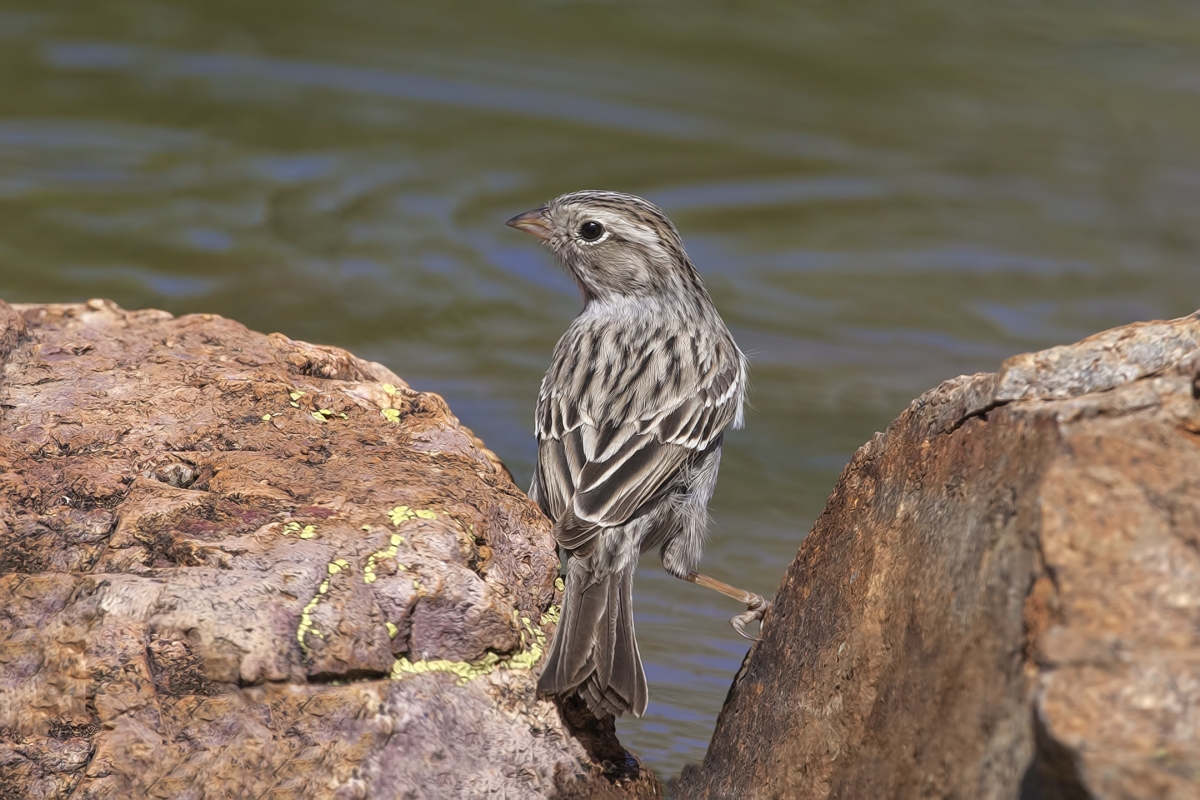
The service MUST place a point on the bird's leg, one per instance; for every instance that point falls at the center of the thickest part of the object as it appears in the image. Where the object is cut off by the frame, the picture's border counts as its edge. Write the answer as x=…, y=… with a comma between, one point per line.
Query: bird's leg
x=756, y=604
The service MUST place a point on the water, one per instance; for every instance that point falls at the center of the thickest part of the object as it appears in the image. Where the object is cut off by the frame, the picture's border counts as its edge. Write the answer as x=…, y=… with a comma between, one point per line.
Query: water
x=879, y=197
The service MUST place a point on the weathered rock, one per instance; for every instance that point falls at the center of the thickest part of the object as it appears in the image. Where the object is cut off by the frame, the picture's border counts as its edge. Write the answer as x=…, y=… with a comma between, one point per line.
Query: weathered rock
x=238, y=565
x=1001, y=599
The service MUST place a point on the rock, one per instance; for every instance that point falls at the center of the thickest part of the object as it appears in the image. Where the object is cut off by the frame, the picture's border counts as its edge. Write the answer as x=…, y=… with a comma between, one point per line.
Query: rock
x=1000, y=600
x=238, y=565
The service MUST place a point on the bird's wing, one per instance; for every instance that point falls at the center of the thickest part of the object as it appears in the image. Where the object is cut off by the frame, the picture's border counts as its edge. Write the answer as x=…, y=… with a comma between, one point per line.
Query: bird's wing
x=605, y=451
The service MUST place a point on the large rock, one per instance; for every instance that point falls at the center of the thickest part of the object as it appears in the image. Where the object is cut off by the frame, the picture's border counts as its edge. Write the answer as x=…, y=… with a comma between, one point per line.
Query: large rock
x=1001, y=599
x=236, y=565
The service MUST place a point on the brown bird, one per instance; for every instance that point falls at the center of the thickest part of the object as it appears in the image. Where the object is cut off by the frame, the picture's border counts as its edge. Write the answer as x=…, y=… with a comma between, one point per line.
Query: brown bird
x=630, y=420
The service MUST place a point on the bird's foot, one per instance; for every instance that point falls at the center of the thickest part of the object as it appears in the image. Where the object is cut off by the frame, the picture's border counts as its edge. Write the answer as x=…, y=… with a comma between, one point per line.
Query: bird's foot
x=756, y=605
x=756, y=610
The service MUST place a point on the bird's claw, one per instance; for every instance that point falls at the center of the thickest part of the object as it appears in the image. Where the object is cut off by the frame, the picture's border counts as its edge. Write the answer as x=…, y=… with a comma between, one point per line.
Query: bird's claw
x=756, y=609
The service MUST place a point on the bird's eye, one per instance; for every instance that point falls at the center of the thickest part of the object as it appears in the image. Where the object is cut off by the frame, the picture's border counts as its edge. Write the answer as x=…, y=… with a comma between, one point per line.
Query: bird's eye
x=591, y=230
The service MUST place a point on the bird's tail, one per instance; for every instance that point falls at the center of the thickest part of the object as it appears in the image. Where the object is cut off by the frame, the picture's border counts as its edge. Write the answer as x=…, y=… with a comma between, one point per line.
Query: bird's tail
x=594, y=650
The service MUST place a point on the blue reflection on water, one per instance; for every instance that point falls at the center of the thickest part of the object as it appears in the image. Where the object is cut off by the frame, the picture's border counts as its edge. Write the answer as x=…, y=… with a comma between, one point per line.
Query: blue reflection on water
x=397, y=85
x=169, y=285
x=206, y=239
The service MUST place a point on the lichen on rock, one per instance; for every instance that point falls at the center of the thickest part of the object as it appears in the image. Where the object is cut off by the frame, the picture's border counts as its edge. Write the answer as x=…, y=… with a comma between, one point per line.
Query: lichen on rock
x=255, y=566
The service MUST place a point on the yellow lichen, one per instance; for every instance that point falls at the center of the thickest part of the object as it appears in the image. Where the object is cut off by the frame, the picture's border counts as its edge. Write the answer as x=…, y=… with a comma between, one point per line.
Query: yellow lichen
x=532, y=637
x=306, y=623
x=391, y=414
x=404, y=513
x=388, y=552
x=307, y=532
x=387, y=387
x=526, y=658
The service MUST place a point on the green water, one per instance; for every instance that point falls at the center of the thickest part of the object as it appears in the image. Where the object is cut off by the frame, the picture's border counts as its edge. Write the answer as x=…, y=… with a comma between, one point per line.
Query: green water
x=879, y=195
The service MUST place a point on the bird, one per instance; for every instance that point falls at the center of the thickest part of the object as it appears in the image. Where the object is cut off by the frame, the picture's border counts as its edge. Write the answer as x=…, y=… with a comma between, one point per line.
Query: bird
x=630, y=421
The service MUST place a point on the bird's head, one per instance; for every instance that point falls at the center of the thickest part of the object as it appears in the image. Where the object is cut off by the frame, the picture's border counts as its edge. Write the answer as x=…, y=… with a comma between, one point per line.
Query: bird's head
x=613, y=244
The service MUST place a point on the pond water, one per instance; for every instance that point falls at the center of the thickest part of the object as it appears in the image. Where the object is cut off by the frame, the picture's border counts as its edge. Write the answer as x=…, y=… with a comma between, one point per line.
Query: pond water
x=880, y=196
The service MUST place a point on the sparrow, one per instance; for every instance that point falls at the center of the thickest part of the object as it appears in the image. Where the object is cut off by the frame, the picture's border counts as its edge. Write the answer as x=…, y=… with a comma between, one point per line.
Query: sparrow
x=630, y=419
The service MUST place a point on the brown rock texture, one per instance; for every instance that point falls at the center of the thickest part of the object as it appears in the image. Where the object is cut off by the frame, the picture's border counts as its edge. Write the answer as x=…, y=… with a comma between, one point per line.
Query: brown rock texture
x=237, y=565
x=1000, y=600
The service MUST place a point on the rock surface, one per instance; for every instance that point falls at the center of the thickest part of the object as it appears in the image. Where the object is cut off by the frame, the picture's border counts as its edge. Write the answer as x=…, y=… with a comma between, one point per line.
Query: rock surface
x=236, y=565
x=1000, y=600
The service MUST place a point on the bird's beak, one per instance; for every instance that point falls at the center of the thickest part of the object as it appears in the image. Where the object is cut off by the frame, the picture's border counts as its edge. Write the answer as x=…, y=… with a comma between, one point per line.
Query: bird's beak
x=532, y=222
